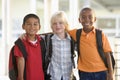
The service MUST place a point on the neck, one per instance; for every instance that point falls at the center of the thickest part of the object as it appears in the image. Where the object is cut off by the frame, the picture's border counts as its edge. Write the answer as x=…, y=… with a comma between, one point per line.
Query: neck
x=61, y=36
x=87, y=30
x=31, y=37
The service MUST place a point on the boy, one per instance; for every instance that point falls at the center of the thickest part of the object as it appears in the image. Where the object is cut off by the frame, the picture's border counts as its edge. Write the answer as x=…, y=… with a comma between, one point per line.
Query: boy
x=90, y=64
x=62, y=60
x=60, y=50
x=34, y=69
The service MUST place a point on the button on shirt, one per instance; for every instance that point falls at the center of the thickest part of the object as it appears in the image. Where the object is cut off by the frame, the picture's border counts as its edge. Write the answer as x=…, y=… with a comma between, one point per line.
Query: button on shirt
x=61, y=63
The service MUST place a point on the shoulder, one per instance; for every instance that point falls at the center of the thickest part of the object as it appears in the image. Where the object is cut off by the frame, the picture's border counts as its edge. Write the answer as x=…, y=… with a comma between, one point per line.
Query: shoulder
x=100, y=31
x=97, y=30
x=72, y=31
x=17, y=51
x=45, y=35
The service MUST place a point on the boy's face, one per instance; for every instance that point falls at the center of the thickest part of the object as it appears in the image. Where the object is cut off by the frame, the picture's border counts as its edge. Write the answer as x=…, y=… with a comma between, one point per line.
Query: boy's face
x=87, y=18
x=58, y=26
x=31, y=26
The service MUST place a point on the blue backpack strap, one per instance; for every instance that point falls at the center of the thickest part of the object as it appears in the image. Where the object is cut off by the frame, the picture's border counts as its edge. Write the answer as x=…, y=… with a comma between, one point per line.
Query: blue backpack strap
x=21, y=46
x=78, y=34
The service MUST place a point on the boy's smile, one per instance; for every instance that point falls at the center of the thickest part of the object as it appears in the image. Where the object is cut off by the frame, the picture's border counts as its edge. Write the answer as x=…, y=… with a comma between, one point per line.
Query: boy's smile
x=87, y=18
x=31, y=26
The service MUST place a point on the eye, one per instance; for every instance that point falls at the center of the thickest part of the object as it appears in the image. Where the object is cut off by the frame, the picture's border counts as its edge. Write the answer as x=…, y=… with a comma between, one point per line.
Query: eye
x=83, y=17
x=36, y=24
x=54, y=23
x=90, y=17
x=61, y=22
x=28, y=24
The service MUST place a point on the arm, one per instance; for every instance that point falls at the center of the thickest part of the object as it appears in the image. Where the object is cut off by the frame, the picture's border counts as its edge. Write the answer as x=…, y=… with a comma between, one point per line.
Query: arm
x=110, y=69
x=20, y=65
x=67, y=28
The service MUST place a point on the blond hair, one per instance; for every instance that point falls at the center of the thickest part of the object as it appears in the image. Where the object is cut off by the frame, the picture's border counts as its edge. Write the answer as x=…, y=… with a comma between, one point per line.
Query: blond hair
x=61, y=16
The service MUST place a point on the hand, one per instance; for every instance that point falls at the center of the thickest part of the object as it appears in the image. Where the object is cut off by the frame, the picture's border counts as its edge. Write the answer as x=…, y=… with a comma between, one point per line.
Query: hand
x=22, y=36
x=67, y=28
x=20, y=78
x=109, y=76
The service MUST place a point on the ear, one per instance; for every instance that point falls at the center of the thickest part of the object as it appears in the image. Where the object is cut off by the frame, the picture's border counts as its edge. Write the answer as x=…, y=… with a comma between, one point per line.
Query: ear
x=23, y=27
x=94, y=19
x=79, y=20
x=39, y=27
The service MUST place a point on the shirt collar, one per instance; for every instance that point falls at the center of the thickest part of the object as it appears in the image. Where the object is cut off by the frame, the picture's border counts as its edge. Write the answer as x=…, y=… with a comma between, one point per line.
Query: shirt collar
x=93, y=31
x=38, y=38
x=56, y=37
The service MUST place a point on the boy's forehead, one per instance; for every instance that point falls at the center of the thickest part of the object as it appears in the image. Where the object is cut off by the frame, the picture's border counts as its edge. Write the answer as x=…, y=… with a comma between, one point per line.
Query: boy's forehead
x=31, y=20
x=87, y=11
x=57, y=19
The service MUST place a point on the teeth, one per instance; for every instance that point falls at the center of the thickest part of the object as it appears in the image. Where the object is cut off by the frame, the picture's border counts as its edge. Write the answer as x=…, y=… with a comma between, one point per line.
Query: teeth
x=30, y=30
x=87, y=24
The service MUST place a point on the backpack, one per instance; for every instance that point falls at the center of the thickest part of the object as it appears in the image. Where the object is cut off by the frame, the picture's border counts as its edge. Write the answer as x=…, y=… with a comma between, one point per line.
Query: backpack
x=13, y=72
x=48, y=54
x=99, y=46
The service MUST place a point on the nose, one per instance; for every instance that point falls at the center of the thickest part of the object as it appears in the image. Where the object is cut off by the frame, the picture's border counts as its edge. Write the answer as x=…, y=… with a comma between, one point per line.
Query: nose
x=57, y=24
x=32, y=26
x=87, y=19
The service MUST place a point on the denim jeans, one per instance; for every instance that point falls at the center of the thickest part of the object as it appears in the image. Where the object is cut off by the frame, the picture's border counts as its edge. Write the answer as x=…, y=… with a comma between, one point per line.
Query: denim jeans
x=102, y=75
x=61, y=78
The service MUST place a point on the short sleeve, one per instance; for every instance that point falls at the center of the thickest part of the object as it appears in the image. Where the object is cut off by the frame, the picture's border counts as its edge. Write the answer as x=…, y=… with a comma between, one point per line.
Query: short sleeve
x=17, y=51
x=73, y=33
x=106, y=44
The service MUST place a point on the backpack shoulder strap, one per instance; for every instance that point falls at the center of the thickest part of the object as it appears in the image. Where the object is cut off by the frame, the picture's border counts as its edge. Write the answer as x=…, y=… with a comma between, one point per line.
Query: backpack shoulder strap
x=22, y=48
x=78, y=34
x=43, y=46
x=72, y=51
x=48, y=44
x=13, y=57
x=14, y=60
x=43, y=51
x=100, y=45
x=13, y=71
x=48, y=53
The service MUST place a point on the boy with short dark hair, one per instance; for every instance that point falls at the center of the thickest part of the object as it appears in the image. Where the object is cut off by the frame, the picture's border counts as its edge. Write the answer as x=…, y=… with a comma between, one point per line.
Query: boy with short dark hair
x=34, y=69
x=90, y=64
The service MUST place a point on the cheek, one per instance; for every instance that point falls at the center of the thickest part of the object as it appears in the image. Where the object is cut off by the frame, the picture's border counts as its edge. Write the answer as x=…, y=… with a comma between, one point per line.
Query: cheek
x=23, y=27
x=39, y=27
x=92, y=21
x=52, y=28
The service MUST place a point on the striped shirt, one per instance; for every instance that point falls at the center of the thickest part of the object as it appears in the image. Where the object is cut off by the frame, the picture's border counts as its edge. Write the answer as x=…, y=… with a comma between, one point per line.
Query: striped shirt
x=61, y=63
